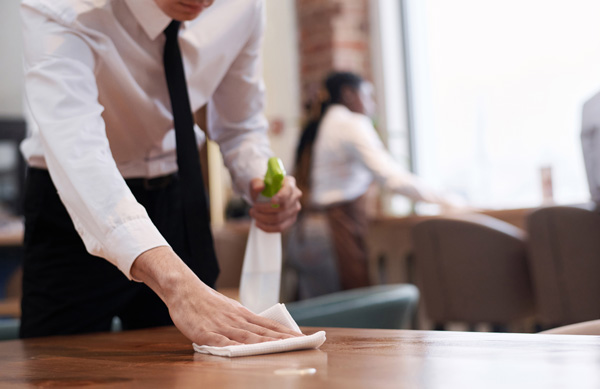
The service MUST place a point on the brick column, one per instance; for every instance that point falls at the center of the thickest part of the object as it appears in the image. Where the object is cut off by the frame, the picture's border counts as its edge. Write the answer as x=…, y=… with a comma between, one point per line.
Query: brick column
x=333, y=35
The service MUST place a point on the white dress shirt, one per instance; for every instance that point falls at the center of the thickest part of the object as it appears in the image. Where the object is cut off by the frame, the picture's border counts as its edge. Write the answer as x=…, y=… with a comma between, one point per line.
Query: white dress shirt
x=590, y=143
x=97, y=93
x=348, y=156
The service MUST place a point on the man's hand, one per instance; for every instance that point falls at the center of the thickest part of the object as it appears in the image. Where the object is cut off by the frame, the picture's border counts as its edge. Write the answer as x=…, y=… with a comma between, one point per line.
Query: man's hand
x=203, y=315
x=276, y=219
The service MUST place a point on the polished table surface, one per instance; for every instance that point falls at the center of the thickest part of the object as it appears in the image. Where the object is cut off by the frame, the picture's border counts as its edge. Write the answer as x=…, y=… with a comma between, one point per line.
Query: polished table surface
x=350, y=358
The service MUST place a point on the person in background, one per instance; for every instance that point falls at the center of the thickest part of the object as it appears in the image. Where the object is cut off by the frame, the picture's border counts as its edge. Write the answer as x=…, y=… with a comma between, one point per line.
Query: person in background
x=590, y=144
x=114, y=189
x=338, y=157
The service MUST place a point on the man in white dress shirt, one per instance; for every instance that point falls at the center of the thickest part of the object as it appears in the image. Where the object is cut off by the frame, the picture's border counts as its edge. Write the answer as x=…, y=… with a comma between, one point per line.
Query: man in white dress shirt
x=102, y=160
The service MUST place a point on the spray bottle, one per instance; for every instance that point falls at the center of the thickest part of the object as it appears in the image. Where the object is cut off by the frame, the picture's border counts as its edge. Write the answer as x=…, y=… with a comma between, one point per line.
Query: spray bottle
x=261, y=272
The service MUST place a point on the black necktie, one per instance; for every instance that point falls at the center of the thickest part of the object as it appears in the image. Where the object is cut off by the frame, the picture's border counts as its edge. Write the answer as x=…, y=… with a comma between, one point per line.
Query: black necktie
x=200, y=242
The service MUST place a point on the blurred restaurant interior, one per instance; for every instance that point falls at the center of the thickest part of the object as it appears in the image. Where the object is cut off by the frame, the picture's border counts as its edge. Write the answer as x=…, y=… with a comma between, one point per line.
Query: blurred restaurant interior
x=492, y=102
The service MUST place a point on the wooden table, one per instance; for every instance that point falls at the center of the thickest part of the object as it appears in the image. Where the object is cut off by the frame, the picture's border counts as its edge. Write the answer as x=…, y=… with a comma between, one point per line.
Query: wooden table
x=350, y=358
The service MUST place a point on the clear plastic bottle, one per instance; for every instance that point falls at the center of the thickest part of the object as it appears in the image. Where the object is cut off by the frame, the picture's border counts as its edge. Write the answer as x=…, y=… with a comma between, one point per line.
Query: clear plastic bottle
x=261, y=273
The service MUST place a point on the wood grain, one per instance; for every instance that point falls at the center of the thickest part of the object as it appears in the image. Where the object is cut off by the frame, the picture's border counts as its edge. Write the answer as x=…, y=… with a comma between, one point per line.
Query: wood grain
x=350, y=358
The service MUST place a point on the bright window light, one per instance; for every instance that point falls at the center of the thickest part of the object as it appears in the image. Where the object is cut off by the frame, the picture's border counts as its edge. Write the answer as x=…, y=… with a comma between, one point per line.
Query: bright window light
x=497, y=92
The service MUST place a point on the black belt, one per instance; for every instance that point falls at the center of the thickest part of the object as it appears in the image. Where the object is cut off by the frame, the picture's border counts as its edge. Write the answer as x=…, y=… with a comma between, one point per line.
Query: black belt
x=152, y=183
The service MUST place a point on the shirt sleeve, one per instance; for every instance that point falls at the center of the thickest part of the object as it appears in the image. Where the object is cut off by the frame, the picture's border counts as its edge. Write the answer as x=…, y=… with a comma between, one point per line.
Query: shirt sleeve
x=363, y=142
x=235, y=112
x=62, y=95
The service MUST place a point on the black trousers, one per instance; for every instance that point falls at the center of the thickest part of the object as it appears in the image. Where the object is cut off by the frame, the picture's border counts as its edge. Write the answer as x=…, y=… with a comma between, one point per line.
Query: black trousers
x=68, y=291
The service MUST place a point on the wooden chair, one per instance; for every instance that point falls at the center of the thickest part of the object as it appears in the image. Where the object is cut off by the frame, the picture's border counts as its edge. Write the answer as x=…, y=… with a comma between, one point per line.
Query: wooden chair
x=472, y=269
x=564, y=255
x=591, y=327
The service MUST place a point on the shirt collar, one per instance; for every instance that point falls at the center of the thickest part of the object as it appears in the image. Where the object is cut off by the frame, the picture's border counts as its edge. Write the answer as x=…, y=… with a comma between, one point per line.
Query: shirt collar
x=152, y=19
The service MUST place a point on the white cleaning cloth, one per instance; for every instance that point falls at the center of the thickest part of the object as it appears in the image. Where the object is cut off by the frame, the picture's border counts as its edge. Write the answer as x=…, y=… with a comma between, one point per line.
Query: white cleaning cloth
x=278, y=313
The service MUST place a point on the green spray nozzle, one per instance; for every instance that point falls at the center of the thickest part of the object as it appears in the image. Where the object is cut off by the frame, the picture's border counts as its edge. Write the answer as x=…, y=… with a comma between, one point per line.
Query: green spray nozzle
x=274, y=177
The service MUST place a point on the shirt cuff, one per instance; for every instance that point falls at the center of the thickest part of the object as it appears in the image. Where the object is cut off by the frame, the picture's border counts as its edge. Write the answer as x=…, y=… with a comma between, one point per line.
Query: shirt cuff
x=130, y=240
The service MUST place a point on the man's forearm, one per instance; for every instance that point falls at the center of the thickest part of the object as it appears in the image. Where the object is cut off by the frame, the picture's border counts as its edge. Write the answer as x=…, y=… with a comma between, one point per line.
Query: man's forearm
x=200, y=313
x=163, y=271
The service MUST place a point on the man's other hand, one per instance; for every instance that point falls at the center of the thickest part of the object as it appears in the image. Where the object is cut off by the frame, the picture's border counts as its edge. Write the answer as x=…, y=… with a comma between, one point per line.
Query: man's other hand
x=281, y=211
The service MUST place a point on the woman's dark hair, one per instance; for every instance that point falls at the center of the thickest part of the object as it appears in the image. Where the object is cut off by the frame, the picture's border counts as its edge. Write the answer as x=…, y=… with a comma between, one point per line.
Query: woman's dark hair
x=333, y=85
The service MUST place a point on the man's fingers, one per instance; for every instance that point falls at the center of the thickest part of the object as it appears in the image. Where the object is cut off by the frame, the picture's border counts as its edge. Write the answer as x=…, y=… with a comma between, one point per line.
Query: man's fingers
x=244, y=336
x=266, y=208
x=217, y=340
x=275, y=227
x=284, y=195
x=266, y=332
x=283, y=209
x=272, y=325
x=268, y=228
x=287, y=195
x=273, y=218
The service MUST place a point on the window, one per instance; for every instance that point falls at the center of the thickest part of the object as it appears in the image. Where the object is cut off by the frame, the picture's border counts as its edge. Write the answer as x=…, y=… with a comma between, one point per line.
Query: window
x=497, y=89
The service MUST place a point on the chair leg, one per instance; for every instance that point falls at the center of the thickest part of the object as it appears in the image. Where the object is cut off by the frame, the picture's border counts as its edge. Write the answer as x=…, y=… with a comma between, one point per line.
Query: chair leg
x=499, y=328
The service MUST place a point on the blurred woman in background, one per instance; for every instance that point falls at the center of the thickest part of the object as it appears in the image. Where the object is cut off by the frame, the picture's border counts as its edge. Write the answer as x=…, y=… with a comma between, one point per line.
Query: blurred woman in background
x=338, y=157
